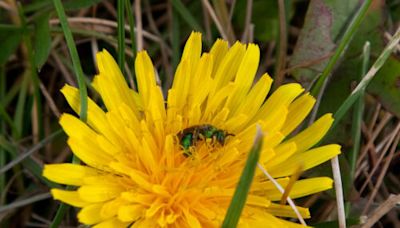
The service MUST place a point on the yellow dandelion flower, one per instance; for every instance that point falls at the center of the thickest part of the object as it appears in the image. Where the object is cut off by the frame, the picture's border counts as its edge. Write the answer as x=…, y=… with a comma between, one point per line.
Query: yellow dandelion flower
x=175, y=162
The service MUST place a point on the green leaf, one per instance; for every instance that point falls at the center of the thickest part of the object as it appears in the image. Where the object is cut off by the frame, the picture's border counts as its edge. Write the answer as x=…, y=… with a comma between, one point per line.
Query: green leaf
x=323, y=23
x=239, y=197
x=121, y=35
x=10, y=38
x=42, y=41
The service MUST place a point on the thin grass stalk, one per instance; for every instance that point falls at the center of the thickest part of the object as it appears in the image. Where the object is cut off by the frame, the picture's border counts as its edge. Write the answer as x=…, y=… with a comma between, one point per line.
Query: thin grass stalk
x=121, y=35
x=356, y=128
x=139, y=25
x=87, y=33
x=175, y=41
x=391, y=203
x=108, y=23
x=232, y=9
x=282, y=190
x=217, y=22
x=282, y=45
x=247, y=21
x=384, y=169
x=70, y=66
x=25, y=202
x=338, y=191
x=223, y=16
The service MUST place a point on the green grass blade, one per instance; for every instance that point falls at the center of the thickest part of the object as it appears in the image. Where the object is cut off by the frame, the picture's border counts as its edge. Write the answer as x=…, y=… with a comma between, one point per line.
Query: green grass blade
x=239, y=197
x=358, y=113
x=31, y=70
x=186, y=15
x=11, y=94
x=356, y=128
x=75, y=58
x=42, y=42
x=81, y=83
x=4, y=116
x=3, y=130
x=10, y=38
x=20, y=110
x=121, y=35
x=131, y=21
x=59, y=215
x=367, y=78
x=348, y=34
x=175, y=39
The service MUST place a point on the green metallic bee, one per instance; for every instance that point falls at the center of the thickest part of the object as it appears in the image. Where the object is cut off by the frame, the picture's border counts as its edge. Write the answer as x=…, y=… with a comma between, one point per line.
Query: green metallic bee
x=189, y=136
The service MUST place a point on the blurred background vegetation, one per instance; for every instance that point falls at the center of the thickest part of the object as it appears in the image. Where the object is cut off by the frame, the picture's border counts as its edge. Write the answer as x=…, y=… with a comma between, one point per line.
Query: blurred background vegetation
x=297, y=39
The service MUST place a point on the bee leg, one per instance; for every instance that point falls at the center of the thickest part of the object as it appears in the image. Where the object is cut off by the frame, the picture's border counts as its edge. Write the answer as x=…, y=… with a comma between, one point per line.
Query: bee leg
x=187, y=152
x=214, y=139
